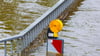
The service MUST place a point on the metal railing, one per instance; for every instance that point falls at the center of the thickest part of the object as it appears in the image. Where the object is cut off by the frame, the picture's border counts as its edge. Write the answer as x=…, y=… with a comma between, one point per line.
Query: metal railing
x=19, y=42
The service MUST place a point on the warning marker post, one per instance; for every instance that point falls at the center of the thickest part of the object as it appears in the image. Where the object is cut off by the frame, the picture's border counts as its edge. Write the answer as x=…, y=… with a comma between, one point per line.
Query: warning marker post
x=54, y=44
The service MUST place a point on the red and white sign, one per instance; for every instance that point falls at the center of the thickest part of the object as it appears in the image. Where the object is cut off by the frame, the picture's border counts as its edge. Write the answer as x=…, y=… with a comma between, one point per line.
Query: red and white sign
x=55, y=47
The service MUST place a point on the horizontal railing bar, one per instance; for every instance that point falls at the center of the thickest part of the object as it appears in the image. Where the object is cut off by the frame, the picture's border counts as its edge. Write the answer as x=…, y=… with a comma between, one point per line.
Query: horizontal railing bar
x=11, y=38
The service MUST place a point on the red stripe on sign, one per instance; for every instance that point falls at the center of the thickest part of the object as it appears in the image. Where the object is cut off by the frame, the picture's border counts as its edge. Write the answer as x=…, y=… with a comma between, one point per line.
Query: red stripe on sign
x=58, y=45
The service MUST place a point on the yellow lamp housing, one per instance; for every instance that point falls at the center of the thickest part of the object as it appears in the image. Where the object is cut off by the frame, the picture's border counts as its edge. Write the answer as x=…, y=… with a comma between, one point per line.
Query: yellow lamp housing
x=55, y=26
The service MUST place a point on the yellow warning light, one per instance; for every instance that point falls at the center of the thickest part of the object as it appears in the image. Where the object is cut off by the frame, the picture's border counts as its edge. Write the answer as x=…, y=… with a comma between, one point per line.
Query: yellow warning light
x=56, y=26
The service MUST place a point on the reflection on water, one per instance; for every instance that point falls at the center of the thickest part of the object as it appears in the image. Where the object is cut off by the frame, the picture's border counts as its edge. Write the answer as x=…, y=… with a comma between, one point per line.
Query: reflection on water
x=18, y=14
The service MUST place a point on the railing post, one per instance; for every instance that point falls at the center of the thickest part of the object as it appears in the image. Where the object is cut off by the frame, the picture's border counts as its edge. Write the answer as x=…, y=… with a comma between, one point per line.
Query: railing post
x=19, y=46
x=5, y=49
x=11, y=47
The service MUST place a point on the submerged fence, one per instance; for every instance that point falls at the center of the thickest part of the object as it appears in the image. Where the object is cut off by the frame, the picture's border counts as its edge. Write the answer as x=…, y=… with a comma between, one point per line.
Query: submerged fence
x=14, y=45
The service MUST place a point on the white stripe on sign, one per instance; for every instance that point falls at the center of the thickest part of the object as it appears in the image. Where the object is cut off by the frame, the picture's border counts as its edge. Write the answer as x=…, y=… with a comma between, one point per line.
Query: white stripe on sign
x=51, y=47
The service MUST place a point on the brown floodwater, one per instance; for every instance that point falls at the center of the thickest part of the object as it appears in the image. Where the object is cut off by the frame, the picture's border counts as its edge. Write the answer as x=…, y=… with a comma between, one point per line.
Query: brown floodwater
x=16, y=15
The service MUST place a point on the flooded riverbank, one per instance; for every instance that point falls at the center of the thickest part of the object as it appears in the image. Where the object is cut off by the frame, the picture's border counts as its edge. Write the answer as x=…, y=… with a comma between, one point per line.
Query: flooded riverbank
x=16, y=15
x=81, y=31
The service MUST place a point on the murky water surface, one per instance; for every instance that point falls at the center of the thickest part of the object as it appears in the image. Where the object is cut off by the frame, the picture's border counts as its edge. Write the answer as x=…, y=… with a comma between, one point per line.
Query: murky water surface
x=81, y=32
x=16, y=15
